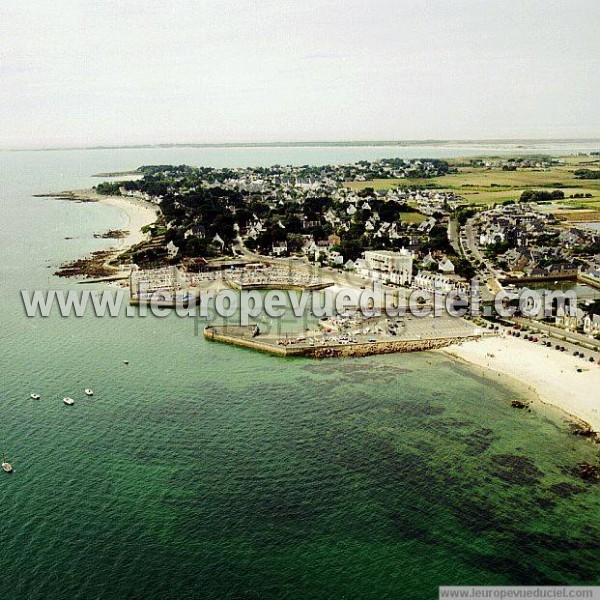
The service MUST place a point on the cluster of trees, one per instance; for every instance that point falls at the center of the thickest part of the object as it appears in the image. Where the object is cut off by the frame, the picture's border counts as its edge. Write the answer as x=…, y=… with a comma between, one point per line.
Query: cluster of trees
x=464, y=214
x=497, y=248
x=591, y=249
x=463, y=267
x=195, y=219
x=427, y=167
x=541, y=196
x=107, y=188
x=587, y=174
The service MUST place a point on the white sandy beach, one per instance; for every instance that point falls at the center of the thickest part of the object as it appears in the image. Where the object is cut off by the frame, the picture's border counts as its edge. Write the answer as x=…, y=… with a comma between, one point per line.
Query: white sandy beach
x=550, y=374
x=138, y=213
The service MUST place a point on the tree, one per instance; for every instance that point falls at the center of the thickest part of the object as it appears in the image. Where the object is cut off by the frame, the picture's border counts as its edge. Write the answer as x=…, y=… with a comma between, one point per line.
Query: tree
x=351, y=249
x=295, y=242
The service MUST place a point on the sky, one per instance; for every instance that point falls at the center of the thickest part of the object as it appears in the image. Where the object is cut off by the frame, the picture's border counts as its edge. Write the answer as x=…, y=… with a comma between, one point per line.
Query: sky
x=119, y=72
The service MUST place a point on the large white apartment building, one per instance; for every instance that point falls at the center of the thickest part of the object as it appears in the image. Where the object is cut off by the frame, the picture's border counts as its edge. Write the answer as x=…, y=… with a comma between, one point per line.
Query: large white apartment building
x=385, y=265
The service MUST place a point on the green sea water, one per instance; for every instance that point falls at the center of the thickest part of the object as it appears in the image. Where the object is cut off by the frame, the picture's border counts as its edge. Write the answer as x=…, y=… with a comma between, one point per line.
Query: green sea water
x=206, y=471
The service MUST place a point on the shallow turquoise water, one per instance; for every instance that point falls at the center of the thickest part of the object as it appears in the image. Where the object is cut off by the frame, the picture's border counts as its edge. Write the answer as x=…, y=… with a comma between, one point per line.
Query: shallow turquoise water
x=205, y=471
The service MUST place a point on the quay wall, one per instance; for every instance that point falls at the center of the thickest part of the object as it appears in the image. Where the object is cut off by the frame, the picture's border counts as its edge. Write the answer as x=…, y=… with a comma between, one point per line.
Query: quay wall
x=337, y=350
x=540, y=278
x=278, y=286
x=591, y=281
x=569, y=276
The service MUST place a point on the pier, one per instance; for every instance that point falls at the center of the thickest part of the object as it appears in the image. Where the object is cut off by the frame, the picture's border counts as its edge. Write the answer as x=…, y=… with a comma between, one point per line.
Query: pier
x=316, y=344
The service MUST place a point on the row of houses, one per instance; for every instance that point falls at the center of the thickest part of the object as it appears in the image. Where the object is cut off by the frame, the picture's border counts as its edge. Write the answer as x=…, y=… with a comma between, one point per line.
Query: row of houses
x=439, y=283
x=578, y=320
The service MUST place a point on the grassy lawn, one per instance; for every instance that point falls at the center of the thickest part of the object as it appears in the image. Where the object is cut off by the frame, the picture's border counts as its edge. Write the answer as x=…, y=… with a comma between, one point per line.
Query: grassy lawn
x=412, y=217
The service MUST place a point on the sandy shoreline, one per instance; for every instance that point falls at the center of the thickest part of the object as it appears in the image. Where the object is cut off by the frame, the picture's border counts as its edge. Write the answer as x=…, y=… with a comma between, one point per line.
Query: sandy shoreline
x=138, y=213
x=550, y=374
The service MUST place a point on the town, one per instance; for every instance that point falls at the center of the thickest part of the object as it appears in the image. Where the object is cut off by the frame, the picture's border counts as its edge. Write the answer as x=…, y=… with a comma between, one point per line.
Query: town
x=307, y=227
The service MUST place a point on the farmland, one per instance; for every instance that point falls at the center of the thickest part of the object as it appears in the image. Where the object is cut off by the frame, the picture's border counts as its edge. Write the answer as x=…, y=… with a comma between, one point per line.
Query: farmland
x=489, y=185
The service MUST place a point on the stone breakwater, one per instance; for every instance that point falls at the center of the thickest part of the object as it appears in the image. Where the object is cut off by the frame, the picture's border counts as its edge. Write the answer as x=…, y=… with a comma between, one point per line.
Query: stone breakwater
x=242, y=339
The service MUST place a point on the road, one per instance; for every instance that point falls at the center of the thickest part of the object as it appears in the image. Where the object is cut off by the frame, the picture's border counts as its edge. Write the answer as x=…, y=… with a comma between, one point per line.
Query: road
x=577, y=340
x=470, y=248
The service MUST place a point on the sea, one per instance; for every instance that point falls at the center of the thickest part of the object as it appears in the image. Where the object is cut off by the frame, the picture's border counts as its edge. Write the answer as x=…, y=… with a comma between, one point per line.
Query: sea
x=203, y=471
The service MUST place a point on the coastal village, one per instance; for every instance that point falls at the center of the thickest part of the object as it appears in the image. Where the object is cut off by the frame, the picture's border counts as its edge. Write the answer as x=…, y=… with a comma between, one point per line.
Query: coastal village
x=307, y=228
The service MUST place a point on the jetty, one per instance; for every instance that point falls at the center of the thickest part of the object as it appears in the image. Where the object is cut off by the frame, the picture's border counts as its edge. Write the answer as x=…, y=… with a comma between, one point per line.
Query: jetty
x=317, y=344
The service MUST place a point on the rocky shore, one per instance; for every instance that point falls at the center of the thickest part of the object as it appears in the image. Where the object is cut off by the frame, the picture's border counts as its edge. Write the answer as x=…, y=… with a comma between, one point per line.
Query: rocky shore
x=93, y=266
x=112, y=234
x=107, y=263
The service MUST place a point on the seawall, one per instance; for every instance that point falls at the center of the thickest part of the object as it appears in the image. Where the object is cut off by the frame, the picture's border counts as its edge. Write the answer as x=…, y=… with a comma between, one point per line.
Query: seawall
x=335, y=350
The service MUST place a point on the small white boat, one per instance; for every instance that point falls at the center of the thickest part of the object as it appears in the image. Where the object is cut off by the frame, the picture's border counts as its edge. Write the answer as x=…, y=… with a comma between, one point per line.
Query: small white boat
x=69, y=401
x=35, y=396
x=125, y=362
x=6, y=466
x=88, y=392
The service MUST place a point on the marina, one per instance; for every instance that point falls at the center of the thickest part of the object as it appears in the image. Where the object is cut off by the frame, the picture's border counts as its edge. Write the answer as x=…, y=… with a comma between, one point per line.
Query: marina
x=171, y=286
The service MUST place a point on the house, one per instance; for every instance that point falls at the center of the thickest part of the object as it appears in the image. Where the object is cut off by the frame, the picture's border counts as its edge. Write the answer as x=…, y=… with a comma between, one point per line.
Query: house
x=493, y=235
x=446, y=266
x=562, y=270
x=569, y=320
x=428, y=261
x=360, y=265
x=310, y=247
x=279, y=248
x=335, y=258
x=195, y=230
x=591, y=324
x=172, y=250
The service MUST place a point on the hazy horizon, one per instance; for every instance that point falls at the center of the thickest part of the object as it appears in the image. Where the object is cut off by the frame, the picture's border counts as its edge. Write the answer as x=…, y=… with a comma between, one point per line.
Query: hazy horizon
x=277, y=72
x=318, y=143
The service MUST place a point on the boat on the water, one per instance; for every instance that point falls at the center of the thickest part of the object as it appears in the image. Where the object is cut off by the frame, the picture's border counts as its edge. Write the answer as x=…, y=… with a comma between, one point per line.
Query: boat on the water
x=69, y=401
x=35, y=396
x=125, y=362
x=6, y=466
x=88, y=392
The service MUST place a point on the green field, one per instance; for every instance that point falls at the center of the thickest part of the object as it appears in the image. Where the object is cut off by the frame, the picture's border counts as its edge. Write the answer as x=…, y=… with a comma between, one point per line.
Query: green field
x=480, y=185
